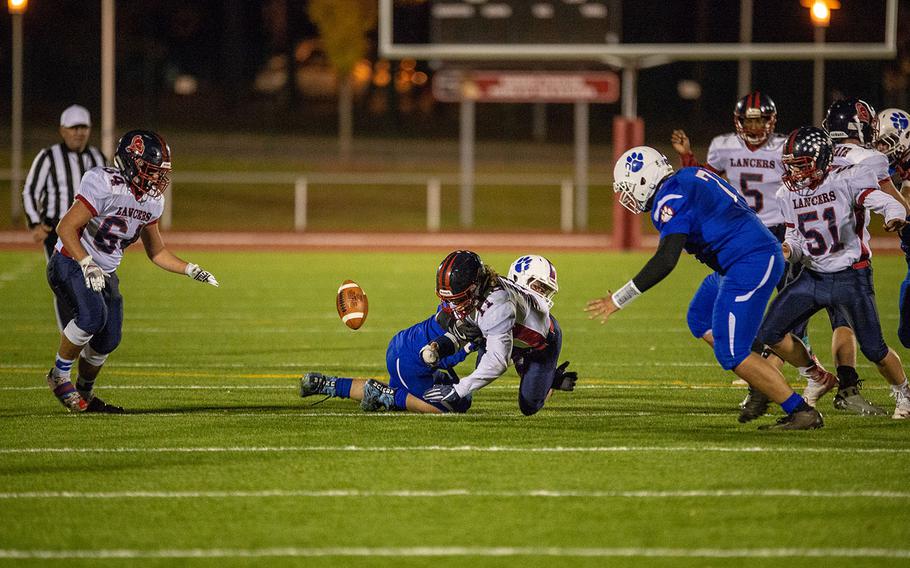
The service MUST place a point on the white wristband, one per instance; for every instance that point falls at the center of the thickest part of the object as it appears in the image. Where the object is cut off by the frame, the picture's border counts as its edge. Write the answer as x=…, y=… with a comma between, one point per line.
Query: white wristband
x=86, y=261
x=625, y=295
x=190, y=269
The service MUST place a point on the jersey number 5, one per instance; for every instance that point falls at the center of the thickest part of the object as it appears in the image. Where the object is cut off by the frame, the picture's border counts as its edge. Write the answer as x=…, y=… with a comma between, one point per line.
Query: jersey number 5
x=758, y=199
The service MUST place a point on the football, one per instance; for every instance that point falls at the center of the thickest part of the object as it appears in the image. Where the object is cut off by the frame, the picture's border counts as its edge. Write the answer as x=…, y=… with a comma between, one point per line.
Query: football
x=352, y=305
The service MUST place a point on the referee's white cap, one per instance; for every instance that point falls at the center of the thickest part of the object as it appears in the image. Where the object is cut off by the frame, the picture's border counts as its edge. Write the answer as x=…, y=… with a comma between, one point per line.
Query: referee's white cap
x=75, y=115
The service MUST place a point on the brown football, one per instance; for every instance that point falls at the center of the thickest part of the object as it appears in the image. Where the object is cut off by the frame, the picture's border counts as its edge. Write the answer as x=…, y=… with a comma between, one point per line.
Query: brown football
x=352, y=304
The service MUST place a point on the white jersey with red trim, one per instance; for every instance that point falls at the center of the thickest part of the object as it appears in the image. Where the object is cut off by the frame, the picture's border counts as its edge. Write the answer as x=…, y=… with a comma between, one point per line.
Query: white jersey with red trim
x=755, y=173
x=117, y=218
x=827, y=230
x=510, y=318
x=849, y=153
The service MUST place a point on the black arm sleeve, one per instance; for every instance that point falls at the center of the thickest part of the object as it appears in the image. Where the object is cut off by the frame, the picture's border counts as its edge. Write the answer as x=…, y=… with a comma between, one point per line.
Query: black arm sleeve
x=662, y=263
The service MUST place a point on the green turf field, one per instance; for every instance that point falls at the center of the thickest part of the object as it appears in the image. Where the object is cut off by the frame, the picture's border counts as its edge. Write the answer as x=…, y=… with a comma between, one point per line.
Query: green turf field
x=220, y=463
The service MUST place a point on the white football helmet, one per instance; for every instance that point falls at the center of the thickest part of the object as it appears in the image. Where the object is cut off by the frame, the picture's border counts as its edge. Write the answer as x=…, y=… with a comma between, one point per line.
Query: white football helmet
x=637, y=175
x=537, y=274
x=893, y=133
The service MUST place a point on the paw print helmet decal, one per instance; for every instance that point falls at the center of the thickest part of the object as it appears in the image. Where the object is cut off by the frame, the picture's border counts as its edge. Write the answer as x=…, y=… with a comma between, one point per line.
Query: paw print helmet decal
x=637, y=175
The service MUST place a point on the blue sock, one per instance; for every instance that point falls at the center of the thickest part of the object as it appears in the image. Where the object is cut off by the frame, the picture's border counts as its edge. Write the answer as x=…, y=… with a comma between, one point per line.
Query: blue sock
x=343, y=387
x=401, y=399
x=792, y=403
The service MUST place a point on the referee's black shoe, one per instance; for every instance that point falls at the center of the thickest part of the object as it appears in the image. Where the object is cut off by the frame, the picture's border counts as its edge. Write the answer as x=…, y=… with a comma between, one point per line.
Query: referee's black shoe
x=98, y=405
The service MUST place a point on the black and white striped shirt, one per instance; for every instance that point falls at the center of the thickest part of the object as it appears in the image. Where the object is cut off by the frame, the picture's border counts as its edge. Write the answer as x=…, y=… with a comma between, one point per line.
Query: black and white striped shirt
x=53, y=180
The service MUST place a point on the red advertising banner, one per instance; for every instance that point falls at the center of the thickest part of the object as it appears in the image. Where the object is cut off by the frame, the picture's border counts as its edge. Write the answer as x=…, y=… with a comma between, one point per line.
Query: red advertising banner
x=526, y=86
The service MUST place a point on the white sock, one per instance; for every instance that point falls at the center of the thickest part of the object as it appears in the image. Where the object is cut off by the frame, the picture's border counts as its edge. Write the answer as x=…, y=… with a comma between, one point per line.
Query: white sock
x=62, y=367
x=903, y=388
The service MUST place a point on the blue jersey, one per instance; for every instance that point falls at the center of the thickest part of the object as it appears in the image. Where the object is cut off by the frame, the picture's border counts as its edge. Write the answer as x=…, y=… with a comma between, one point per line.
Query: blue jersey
x=407, y=343
x=719, y=224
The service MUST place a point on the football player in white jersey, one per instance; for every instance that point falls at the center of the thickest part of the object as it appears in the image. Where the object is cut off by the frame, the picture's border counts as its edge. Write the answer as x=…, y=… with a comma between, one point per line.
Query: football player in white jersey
x=114, y=208
x=517, y=327
x=749, y=158
x=852, y=125
x=894, y=142
x=827, y=214
x=427, y=352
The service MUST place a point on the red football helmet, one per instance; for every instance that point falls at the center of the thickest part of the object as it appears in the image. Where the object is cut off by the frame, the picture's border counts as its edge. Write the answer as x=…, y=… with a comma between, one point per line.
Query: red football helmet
x=754, y=117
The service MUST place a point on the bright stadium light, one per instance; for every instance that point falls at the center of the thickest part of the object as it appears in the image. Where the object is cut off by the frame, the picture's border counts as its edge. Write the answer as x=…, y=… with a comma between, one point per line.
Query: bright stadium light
x=16, y=6
x=820, y=11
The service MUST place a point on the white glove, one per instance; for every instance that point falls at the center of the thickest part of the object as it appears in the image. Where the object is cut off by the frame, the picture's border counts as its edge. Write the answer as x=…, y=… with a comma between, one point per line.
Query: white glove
x=196, y=272
x=430, y=354
x=94, y=276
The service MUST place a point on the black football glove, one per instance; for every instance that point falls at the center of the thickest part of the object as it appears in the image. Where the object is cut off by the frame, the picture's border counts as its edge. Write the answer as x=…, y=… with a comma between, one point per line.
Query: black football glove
x=564, y=380
x=463, y=330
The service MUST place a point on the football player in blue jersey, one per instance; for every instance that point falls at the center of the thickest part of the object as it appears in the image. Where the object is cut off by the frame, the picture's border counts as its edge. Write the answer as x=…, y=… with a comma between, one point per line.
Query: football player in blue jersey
x=424, y=355
x=409, y=375
x=697, y=211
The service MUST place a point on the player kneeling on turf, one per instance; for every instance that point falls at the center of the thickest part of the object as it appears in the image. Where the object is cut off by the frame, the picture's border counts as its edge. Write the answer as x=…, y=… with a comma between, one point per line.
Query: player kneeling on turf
x=513, y=319
x=409, y=375
x=424, y=356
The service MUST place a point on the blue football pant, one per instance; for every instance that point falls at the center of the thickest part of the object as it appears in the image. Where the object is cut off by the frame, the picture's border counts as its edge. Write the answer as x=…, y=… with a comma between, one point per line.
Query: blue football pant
x=97, y=313
x=736, y=302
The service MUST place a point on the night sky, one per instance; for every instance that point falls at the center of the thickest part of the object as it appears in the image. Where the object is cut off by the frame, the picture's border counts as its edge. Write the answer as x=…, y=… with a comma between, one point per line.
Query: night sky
x=224, y=44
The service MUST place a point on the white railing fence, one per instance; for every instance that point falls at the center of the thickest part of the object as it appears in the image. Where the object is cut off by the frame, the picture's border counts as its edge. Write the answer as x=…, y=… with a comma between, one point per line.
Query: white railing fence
x=432, y=184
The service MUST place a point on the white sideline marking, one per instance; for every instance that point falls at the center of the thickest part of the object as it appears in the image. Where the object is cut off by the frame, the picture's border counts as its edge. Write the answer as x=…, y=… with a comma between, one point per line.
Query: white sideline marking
x=511, y=387
x=458, y=551
x=467, y=449
x=546, y=493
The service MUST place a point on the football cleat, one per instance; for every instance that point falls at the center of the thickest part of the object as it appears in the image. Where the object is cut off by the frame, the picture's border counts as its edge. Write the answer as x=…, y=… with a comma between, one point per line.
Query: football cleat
x=819, y=382
x=317, y=383
x=98, y=405
x=377, y=396
x=66, y=392
x=902, y=406
x=800, y=420
x=814, y=391
x=851, y=400
x=754, y=406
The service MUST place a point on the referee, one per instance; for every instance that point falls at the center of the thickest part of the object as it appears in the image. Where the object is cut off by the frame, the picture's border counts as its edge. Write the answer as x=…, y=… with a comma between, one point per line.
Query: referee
x=53, y=180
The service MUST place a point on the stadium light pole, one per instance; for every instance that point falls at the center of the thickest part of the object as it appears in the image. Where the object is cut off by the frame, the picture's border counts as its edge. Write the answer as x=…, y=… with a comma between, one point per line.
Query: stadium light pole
x=107, y=77
x=820, y=12
x=745, y=36
x=16, y=9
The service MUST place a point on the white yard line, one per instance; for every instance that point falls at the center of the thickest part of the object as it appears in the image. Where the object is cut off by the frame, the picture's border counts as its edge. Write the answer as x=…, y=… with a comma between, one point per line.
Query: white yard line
x=457, y=551
x=314, y=414
x=456, y=449
x=17, y=272
x=543, y=493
